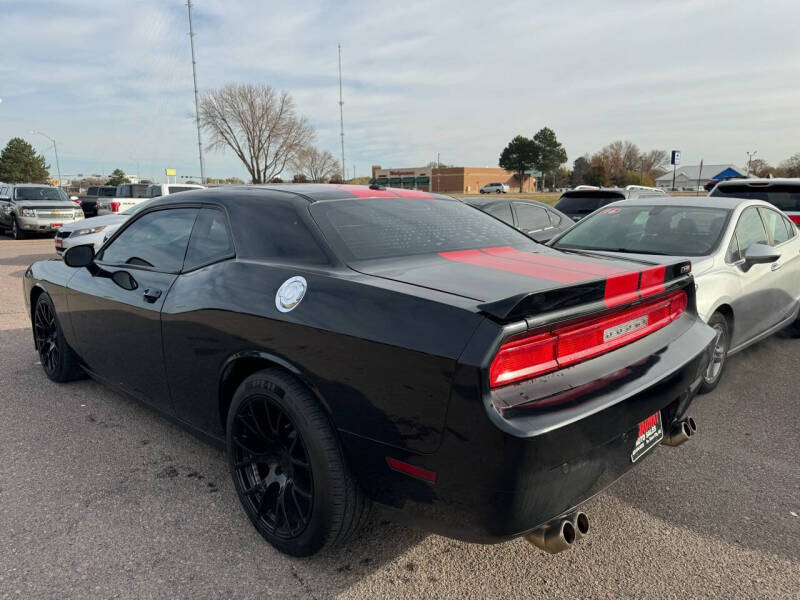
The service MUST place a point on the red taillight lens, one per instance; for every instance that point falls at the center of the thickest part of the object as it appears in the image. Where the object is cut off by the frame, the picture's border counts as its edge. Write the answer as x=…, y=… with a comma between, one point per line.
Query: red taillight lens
x=528, y=357
x=115, y=207
x=795, y=219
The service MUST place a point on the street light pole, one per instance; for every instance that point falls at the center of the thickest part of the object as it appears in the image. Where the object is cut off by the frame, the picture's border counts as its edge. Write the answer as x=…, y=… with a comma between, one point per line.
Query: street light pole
x=55, y=149
x=750, y=156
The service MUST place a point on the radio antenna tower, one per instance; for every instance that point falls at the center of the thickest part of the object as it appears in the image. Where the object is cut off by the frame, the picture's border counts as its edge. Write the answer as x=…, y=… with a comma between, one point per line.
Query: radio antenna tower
x=341, y=111
x=196, y=109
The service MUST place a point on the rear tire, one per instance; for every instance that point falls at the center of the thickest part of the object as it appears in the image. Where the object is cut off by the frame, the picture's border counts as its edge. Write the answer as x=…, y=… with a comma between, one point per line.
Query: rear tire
x=288, y=467
x=59, y=361
x=713, y=373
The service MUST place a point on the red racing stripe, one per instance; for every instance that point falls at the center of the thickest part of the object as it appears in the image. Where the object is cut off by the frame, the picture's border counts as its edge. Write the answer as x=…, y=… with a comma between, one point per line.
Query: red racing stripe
x=588, y=268
x=411, y=193
x=479, y=259
x=621, y=289
x=365, y=192
x=652, y=281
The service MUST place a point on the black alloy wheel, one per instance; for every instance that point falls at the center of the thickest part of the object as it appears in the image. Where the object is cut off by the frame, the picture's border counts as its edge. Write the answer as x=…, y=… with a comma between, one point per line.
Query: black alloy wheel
x=46, y=334
x=58, y=360
x=272, y=468
x=288, y=467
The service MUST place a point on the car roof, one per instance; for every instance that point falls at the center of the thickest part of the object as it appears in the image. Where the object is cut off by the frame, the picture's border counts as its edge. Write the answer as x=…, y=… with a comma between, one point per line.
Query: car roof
x=47, y=185
x=300, y=192
x=727, y=202
x=760, y=181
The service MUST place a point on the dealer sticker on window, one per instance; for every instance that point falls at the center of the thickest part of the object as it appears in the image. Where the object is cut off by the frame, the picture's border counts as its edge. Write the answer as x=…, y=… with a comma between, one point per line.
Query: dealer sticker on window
x=651, y=433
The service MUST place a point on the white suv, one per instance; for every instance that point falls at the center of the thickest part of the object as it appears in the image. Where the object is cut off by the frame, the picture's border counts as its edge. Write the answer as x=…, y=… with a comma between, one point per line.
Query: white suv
x=495, y=188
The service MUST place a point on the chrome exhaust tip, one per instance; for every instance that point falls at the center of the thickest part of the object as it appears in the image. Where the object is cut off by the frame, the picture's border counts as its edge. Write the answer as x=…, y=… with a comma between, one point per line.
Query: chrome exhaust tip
x=680, y=432
x=554, y=537
x=580, y=523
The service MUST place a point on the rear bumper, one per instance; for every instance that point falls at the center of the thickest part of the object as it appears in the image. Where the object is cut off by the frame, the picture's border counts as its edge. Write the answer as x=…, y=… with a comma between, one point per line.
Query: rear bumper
x=501, y=477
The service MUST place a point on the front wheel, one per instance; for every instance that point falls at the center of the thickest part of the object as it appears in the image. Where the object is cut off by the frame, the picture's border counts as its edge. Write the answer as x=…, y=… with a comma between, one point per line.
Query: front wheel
x=713, y=372
x=58, y=360
x=288, y=468
x=16, y=232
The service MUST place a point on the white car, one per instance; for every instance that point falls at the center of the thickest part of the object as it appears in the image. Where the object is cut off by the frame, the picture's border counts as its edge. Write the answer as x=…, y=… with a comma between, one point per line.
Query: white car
x=745, y=257
x=129, y=195
x=495, y=188
x=94, y=230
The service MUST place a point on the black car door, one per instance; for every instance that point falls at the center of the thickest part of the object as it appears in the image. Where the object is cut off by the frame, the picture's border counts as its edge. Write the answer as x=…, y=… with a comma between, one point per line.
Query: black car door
x=116, y=302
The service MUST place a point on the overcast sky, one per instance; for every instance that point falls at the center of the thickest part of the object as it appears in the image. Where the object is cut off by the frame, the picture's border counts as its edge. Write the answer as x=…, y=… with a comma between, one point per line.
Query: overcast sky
x=111, y=80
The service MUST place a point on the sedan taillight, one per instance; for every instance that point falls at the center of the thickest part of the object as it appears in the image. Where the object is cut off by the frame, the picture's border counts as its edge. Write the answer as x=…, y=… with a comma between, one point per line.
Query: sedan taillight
x=115, y=207
x=528, y=356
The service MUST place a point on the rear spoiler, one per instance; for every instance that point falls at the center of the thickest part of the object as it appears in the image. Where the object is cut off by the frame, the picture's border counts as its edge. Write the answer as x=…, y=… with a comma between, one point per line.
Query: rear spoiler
x=612, y=291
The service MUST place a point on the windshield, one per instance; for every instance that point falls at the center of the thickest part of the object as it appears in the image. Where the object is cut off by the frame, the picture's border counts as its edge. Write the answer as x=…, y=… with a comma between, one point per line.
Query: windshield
x=586, y=203
x=39, y=193
x=783, y=196
x=387, y=227
x=670, y=230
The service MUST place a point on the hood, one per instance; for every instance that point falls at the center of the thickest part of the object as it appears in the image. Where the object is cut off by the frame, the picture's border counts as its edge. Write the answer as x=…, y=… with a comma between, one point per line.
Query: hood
x=507, y=281
x=46, y=204
x=96, y=222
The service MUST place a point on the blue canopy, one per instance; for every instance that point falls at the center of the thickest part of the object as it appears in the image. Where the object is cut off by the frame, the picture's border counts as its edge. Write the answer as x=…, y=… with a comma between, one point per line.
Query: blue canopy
x=727, y=174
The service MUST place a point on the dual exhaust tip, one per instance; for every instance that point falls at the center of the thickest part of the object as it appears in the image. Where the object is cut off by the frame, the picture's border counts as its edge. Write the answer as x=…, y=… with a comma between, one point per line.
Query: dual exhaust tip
x=561, y=533
x=680, y=432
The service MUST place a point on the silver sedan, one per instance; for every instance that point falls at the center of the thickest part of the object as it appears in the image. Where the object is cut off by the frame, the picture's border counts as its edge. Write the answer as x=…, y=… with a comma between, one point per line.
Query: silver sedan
x=745, y=258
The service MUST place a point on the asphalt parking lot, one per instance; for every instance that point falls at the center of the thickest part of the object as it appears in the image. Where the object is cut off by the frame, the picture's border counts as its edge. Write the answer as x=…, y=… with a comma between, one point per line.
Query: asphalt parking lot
x=101, y=497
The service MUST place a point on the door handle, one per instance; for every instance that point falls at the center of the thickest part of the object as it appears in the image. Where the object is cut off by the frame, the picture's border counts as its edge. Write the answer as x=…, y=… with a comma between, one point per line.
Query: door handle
x=152, y=295
x=775, y=266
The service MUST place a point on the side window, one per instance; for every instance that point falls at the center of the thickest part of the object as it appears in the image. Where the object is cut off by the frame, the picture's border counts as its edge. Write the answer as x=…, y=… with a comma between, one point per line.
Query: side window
x=530, y=217
x=555, y=218
x=733, y=255
x=501, y=210
x=775, y=226
x=750, y=230
x=157, y=240
x=790, y=227
x=210, y=239
x=155, y=191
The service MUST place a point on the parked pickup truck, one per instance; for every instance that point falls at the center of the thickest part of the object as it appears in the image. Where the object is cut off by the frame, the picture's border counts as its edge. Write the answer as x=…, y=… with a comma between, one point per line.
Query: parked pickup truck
x=125, y=196
x=93, y=195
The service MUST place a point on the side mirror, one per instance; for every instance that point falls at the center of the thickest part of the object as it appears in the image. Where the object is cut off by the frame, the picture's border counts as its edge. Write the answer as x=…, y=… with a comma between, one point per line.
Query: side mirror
x=759, y=254
x=79, y=256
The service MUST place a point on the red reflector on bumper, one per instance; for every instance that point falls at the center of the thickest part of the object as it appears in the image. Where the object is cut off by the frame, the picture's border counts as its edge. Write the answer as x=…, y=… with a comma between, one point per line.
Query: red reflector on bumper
x=413, y=470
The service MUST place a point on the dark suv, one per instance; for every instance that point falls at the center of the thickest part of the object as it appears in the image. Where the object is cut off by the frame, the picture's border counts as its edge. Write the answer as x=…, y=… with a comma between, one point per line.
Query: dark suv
x=782, y=193
x=584, y=200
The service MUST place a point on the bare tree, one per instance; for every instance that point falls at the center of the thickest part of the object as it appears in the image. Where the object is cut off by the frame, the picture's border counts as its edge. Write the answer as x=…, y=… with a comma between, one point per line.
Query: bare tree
x=261, y=127
x=316, y=165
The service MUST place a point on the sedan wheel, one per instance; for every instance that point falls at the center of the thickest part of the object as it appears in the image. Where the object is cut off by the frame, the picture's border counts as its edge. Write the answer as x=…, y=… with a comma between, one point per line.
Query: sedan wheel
x=58, y=360
x=716, y=364
x=288, y=468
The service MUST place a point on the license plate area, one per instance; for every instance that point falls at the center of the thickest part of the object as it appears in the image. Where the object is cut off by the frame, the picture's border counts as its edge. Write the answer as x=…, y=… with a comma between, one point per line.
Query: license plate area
x=651, y=432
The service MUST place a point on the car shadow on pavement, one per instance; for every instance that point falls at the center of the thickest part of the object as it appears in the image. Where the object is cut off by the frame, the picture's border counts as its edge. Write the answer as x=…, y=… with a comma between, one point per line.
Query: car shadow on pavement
x=743, y=461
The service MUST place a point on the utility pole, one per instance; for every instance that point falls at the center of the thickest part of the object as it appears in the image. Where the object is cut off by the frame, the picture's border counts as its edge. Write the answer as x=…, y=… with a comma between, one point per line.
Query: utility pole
x=55, y=149
x=750, y=156
x=341, y=110
x=196, y=102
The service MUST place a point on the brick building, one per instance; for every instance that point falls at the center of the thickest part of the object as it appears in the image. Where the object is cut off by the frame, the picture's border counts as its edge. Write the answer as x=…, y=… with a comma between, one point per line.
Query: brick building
x=449, y=180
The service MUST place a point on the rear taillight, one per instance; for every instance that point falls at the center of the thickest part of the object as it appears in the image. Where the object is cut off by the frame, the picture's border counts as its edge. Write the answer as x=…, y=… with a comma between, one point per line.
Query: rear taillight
x=115, y=207
x=533, y=355
x=795, y=219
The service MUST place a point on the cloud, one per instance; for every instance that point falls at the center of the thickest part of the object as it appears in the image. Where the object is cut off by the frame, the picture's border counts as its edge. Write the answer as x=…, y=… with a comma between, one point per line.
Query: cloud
x=112, y=80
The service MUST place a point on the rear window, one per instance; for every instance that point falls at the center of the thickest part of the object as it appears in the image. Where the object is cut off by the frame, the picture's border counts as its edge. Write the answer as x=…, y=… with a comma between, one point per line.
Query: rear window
x=174, y=189
x=364, y=229
x=585, y=203
x=668, y=230
x=107, y=192
x=783, y=196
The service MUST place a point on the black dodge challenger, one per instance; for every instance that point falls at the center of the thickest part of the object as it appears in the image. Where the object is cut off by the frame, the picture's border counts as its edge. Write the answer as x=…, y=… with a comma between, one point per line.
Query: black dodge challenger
x=352, y=346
